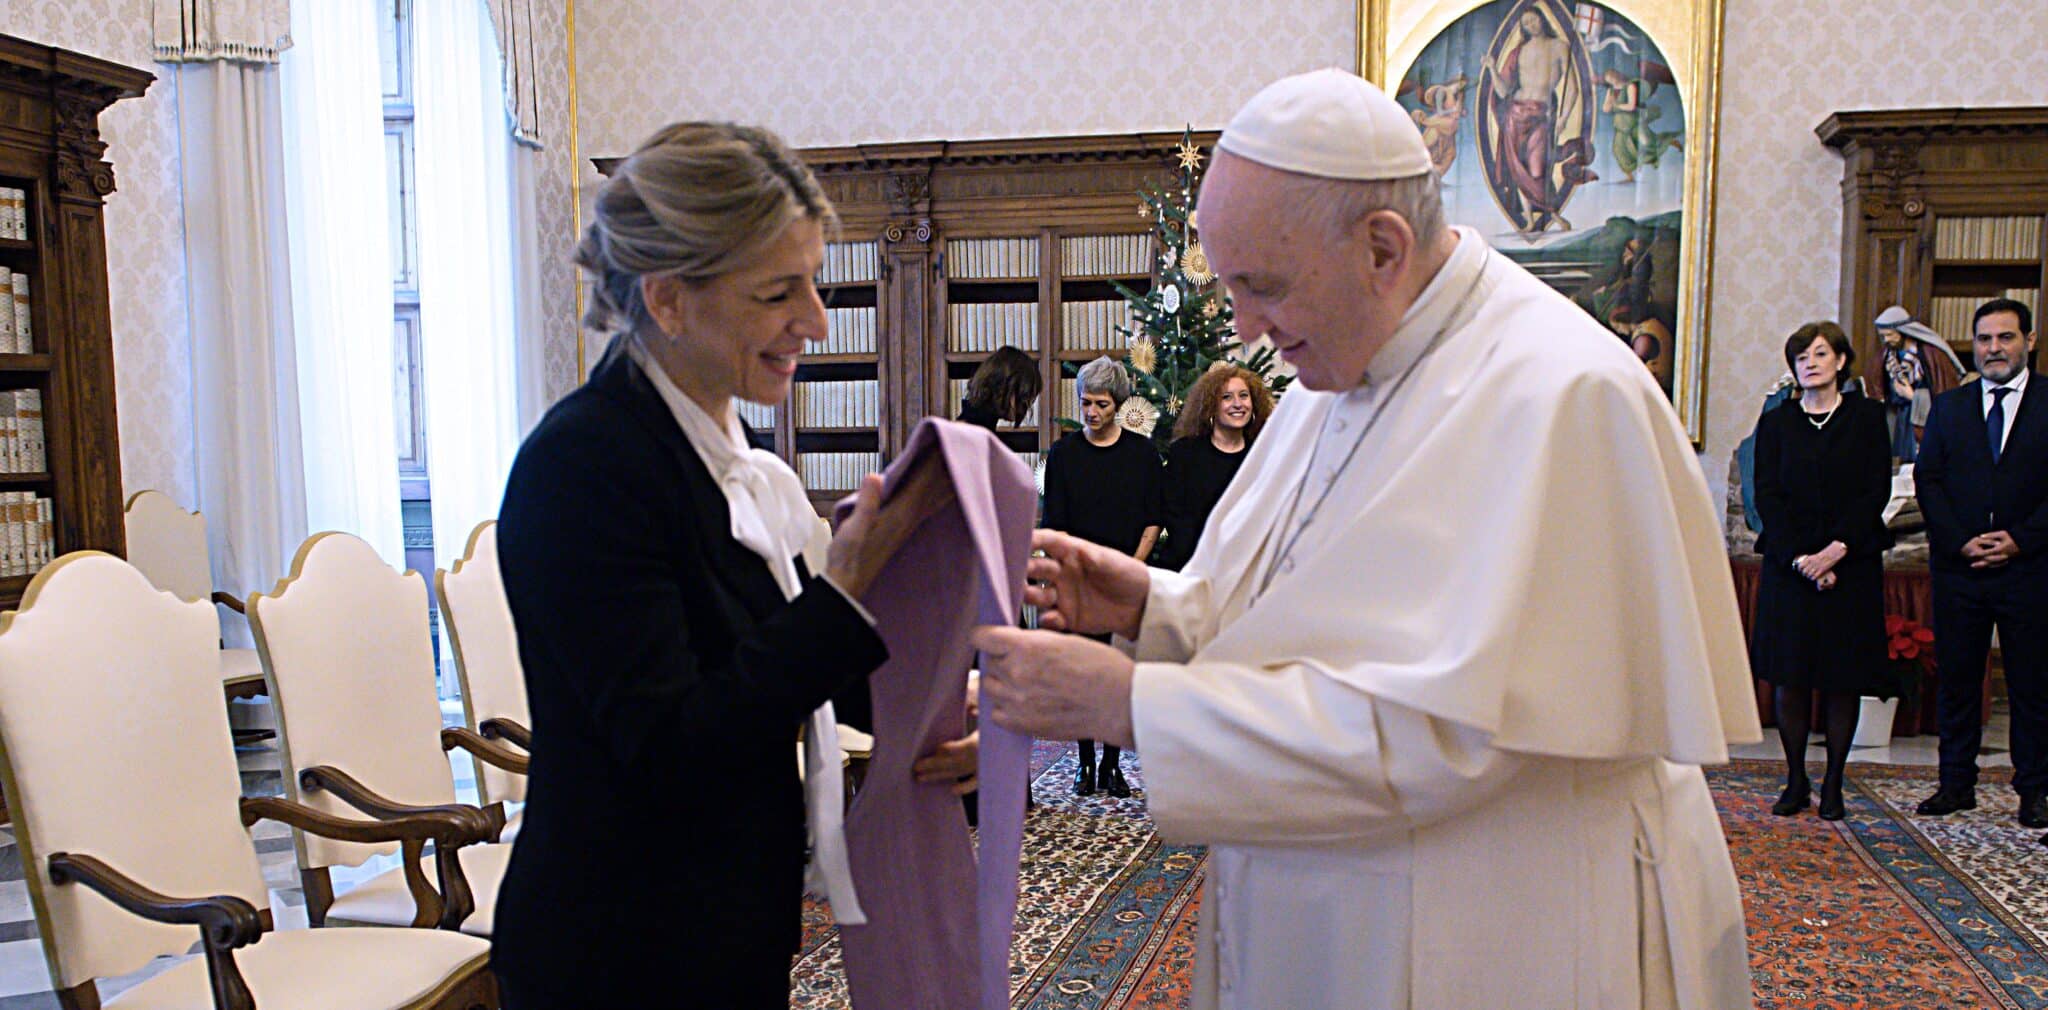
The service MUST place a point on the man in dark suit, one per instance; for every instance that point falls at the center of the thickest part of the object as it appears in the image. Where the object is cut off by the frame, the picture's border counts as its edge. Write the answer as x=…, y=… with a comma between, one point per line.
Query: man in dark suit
x=1982, y=479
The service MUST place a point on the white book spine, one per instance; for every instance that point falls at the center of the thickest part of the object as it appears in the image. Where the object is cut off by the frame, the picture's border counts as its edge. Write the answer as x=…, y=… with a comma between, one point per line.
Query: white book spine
x=23, y=335
x=46, y=516
x=8, y=344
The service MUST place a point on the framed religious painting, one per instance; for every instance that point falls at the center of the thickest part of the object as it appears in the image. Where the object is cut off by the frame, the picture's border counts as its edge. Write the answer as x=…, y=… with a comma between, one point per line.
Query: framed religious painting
x=1578, y=139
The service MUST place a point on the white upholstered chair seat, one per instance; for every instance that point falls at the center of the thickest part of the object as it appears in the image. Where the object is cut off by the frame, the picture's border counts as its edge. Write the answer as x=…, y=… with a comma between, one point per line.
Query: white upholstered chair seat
x=239, y=666
x=383, y=900
x=325, y=969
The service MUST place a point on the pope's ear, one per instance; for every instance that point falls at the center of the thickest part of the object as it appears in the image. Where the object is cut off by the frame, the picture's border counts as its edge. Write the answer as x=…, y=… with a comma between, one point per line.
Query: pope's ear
x=1386, y=240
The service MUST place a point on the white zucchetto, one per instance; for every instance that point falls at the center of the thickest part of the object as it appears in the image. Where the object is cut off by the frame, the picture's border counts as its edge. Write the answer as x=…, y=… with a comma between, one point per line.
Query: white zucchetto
x=1329, y=124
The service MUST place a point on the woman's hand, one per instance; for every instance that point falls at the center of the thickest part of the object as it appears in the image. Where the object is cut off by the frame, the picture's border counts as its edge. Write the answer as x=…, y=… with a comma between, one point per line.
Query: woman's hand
x=1084, y=587
x=955, y=763
x=1821, y=562
x=875, y=531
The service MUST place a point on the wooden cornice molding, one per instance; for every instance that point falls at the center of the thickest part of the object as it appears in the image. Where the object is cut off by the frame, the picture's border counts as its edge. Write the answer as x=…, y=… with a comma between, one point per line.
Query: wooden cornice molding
x=77, y=89
x=911, y=156
x=1846, y=130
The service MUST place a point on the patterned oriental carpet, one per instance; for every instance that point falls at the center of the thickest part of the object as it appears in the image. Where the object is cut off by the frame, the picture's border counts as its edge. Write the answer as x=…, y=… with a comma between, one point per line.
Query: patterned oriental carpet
x=1880, y=912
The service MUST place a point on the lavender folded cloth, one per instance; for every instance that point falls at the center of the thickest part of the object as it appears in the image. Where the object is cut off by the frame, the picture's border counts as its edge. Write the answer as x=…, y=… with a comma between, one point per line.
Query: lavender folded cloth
x=939, y=923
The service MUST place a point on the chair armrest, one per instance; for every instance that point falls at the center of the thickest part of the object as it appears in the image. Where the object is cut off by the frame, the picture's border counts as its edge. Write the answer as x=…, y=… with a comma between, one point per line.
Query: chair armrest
x=443, y=828
x=230, y=601
x=507, y=730
x=456, y=900
x=367, y=800
x=494, y=754
x=224, y=920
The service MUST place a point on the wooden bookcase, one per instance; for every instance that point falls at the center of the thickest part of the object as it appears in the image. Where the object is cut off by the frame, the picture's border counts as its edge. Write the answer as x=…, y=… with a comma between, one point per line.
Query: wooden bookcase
x=1942, y=210
x=1021, y=234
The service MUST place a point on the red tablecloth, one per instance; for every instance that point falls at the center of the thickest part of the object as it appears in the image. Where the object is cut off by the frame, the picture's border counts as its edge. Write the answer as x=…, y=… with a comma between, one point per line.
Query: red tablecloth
x=1909, y=593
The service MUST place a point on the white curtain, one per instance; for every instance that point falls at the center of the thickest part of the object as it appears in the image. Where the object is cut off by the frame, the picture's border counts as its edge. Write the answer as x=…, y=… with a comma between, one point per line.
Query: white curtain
x=531, y=353
x=249, y=30
x=512, y=25
x=245, y=402
x=341, y=276
x=468, y=322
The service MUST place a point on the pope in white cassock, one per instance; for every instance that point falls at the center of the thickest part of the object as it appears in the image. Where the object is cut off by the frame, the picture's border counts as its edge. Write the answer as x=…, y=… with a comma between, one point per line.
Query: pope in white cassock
x=1437, y=684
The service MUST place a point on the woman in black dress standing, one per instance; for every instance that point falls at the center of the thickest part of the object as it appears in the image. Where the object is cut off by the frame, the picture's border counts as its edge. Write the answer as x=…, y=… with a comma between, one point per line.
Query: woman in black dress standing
x=1823, y=474
x=1225, y=409
x=1103, y=484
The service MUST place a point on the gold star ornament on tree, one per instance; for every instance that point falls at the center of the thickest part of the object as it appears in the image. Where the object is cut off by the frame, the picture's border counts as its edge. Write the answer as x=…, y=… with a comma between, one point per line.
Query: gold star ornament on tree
x=1190, y=156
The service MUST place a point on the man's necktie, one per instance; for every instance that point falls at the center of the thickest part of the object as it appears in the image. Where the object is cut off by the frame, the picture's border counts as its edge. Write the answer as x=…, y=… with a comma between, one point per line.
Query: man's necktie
x=1994, y=422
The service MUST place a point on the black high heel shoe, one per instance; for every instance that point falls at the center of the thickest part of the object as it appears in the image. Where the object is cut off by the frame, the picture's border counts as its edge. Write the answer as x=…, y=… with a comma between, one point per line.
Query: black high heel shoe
x=1112, y=779
x=1793, y=799
x=1084, y=780
x=1831, y=808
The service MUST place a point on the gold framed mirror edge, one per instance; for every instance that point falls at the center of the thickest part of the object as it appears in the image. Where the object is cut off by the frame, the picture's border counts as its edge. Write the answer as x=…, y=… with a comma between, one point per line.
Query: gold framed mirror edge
x=1393, y=33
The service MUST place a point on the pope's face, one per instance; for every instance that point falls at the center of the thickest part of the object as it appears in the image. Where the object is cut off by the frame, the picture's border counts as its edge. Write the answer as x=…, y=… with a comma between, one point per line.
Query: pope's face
x=1288, y=279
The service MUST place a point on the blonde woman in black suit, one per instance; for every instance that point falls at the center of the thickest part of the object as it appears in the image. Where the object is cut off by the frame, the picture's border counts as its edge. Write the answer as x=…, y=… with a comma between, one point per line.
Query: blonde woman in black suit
x=673, y=641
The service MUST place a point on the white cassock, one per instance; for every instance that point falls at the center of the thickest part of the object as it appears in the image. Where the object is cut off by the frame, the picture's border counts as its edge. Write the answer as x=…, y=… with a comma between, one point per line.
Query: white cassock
x=1443, y=724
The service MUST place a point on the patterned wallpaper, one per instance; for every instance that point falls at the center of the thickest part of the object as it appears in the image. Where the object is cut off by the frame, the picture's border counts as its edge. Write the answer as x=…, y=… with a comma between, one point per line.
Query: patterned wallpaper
x=145, y=240
x=831, y=73
x=1778, y=229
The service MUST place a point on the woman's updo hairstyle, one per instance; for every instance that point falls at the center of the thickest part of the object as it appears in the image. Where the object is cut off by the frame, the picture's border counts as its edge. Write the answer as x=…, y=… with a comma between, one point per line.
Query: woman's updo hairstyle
x=695, y=201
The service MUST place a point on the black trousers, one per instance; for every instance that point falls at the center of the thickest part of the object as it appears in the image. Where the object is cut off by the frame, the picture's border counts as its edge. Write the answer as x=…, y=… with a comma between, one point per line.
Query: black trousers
x=1966, y=608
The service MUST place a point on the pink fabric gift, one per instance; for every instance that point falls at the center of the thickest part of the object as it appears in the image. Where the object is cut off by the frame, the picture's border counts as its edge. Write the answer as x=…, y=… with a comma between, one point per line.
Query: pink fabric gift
x=939, y=922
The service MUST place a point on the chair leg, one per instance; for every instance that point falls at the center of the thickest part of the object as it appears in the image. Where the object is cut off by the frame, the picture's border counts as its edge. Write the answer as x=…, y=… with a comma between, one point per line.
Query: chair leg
x=318, y=886
x=83, y=996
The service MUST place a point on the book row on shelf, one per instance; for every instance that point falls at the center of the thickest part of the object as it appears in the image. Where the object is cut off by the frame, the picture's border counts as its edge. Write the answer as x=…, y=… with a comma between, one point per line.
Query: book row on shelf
x=21, y=432
x=1952, y=315
x=842, y=471
x=1987, y=238
x=836, y=471
x=850, y=263
x=13, y=214
x=28, y=526
x=1106, y=255
x=1093, y=326
x=956, y=395
x=979, y=327
x=16, y=336
x=759, y=416
x=848, y=331
x=853, y=403
x=970, y=259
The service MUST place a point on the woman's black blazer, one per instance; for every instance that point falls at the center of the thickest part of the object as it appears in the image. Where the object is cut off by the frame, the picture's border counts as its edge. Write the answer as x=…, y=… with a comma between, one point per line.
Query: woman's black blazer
x=663, y=843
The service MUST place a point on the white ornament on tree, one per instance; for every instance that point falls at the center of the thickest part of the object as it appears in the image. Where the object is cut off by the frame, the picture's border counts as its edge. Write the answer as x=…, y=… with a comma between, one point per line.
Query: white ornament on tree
x=1169, y=298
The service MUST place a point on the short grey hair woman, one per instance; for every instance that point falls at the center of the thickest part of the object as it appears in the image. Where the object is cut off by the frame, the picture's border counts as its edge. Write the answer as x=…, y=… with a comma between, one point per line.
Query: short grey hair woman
x=1105, y=376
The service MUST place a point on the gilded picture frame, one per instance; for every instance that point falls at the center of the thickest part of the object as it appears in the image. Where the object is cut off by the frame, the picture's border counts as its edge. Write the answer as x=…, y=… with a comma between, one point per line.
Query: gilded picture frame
x=1580, y=138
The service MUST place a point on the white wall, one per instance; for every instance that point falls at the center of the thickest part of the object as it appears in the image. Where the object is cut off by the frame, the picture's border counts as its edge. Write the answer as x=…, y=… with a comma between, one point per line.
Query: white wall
x=145, y=238
x=857, y=71
x=835, y=73
x=1777, y=242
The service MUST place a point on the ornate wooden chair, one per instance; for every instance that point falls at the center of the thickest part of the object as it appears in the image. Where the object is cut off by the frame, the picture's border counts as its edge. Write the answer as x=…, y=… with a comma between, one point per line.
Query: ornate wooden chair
x=168, y=544
x=134, y=836
x=350, y=665
x=486, y=651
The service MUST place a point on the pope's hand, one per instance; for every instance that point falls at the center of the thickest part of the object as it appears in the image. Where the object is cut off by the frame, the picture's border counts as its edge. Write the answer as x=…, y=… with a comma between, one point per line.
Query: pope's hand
x=1061, y=687
x=1084, y=587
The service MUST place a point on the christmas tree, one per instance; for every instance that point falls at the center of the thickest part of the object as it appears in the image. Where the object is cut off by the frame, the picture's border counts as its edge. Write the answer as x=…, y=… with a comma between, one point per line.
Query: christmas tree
x=1183, y=324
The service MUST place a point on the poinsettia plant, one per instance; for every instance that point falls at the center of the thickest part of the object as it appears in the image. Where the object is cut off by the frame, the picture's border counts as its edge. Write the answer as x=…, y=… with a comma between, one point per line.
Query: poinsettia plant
x=1909, y=655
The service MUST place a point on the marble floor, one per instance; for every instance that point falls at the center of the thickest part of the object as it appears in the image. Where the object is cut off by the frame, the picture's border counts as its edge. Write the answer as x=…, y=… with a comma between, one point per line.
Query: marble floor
x=25, y=980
